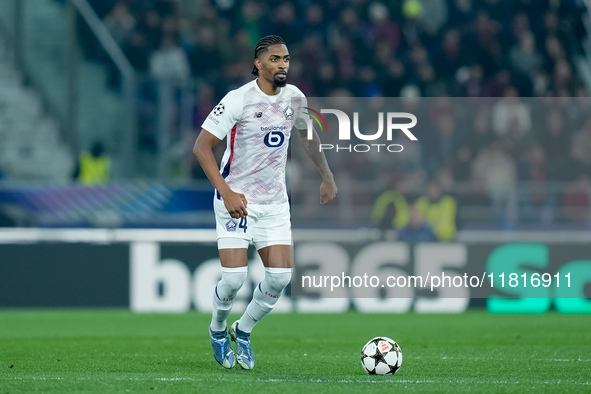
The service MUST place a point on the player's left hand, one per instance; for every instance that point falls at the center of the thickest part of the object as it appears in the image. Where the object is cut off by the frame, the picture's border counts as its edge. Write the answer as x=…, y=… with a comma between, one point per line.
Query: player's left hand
x=328, y=191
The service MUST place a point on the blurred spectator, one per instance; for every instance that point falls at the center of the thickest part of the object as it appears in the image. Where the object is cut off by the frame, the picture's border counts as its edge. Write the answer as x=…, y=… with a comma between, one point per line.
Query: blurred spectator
x=471, y=81
x=432, y=16
x=484, y=42
x=390, y=210
x=165, y=8
x=555, y=140
x=461, y=165
x=445, y=180
x=416, y=230
x=510, y=117
x=250, y=15
x=137, y=50
x=314, y=23
x=187, y=39
x=204, y=102
x=582, y=139
x=449, y=55
x=444, y=142
x=391, y=70
x=477, y=137
x=576, y=109
x=554, y=51
x=533, y=169
x=576, y=200
x=150, y=27
x=495, y=170
x=480, y=135
x=524, y=57
x=411, y=161
x=439, y=210
x=94, y=167
x=205, y=58
x=170, y=62
x=380, y=27
x=348, y=27
x=284, y=23
x=566, y=168
x=242, y=48
x=461, y=12
x=427, y=82
x=120, y=23
x=563, y=82
x=498, y=83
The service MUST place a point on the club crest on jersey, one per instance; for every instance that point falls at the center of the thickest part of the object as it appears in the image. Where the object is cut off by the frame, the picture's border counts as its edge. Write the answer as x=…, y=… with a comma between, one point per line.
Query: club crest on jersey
x=258, y=114
x=288, y=112
x=231, y=225
x=219, y=109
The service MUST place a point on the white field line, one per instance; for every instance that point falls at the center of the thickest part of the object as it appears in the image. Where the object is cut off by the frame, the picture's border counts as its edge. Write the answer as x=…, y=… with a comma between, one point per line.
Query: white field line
x=505, y=359
x=386, y=380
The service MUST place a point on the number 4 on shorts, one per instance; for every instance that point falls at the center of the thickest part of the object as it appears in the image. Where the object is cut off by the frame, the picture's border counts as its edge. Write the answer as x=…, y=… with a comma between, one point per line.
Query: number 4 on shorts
x=243, y=224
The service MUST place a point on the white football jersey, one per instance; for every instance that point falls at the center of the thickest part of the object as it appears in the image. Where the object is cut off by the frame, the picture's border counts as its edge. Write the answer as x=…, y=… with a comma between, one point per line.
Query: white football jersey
x=258, y=127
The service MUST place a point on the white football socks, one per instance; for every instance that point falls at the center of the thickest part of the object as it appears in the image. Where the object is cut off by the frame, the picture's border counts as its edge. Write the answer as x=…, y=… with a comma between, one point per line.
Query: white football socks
x=224, y=293
x=265, y=296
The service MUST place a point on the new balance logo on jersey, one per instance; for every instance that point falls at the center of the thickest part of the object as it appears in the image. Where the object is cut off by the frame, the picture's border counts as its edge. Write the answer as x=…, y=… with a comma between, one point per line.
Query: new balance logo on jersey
x=258, y=114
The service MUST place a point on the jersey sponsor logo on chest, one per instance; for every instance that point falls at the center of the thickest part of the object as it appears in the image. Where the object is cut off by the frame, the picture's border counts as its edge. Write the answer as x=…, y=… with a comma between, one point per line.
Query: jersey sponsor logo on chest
x=274, y=128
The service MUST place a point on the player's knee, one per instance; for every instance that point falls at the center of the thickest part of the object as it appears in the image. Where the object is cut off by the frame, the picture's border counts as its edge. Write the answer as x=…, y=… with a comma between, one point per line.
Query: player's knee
x=278, y=278
x=233, y=280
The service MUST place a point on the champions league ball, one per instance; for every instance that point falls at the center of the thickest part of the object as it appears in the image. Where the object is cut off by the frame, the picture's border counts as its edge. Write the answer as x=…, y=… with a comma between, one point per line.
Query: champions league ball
x=381, y=356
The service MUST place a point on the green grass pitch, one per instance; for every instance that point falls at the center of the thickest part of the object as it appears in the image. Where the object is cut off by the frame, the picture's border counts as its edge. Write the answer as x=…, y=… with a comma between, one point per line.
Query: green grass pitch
x=105, y=351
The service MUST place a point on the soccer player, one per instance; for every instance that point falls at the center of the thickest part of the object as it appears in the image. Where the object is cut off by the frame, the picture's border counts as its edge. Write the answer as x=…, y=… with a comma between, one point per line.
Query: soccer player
x=250, y=200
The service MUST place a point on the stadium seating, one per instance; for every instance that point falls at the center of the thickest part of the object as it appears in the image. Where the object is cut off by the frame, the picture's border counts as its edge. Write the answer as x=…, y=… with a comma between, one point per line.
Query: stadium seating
x=31, y=147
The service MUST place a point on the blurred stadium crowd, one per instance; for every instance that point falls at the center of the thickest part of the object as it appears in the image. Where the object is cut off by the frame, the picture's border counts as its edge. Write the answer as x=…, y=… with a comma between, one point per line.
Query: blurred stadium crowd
x=528, y=127
x=413, y=48
x=366, y=48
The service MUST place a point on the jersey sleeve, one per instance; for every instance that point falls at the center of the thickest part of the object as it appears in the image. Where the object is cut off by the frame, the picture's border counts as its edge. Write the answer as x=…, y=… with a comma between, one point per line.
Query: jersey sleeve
x=224, y=116
x=301, y=121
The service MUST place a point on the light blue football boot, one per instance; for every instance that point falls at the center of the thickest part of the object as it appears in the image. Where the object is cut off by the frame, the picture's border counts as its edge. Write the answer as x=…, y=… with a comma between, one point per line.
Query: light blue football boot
x=245, y=356
x=222, y=351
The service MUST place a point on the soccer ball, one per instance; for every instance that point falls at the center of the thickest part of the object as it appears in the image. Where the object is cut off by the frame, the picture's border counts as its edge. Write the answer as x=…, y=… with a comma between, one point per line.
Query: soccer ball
x=381, y=356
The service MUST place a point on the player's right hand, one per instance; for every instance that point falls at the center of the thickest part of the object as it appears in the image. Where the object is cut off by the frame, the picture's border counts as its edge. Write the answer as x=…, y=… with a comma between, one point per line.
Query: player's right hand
x=328, y=191
x=236, y=204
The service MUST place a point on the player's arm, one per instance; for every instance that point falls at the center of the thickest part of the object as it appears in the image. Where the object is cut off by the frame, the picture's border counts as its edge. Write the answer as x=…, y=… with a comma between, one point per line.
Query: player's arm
x=328, y=189
x=235, y=202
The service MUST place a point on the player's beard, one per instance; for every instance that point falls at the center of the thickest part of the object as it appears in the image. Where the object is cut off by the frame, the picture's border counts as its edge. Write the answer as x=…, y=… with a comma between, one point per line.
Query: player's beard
x=279, y=83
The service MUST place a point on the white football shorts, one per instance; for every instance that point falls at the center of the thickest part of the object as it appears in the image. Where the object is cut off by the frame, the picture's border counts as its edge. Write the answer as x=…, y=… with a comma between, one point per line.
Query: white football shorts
x=265, y=225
